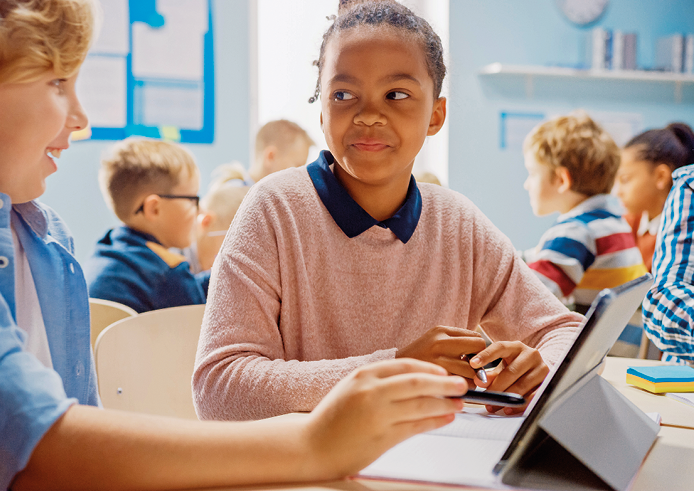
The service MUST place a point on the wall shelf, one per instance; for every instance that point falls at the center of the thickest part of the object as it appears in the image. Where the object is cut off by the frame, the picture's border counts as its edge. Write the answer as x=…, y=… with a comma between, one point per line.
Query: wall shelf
x=530, y=72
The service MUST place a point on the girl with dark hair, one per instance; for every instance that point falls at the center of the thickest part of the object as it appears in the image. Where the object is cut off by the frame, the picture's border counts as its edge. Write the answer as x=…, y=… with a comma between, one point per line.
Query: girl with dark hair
x=644, y=179
x=349, y=260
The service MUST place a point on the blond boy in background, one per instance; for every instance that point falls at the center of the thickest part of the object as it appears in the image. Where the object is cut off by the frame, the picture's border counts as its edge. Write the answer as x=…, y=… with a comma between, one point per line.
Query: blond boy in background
x=572, y=163
x=279, y=145
x=152, y=187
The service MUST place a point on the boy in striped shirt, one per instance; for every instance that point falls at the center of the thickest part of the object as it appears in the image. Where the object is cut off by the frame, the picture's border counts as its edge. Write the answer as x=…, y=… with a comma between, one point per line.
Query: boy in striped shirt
x=572, y=163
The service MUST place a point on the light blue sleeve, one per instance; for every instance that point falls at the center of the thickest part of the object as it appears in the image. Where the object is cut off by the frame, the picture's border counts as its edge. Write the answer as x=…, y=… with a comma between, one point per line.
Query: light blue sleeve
x=31, y=399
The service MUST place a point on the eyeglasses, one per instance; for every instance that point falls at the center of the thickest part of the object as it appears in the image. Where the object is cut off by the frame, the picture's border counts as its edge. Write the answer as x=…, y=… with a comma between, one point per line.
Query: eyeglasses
x=195, y=199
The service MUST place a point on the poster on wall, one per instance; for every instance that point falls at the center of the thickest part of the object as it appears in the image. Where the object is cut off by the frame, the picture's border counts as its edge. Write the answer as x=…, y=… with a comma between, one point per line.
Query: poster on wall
x=151, y=72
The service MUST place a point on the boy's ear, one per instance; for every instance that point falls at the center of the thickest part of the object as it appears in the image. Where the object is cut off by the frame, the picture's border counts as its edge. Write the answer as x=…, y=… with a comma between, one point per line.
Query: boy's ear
x=151, y=206
x=663, y=177
x=565, y=181
x=269, y=156
x=438, y=116
x=205, y=219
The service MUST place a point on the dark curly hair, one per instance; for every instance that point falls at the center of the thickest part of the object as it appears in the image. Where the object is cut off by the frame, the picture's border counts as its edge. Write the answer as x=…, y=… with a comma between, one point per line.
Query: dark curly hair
x=672, y=145
x=353, y=13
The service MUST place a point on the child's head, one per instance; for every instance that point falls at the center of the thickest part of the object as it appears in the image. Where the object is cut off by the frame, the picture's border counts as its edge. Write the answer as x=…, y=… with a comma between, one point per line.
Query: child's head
x=42, y=45
x=648, y=160
x=427, y=176
x=217, y=209
x=568, y=159
x=152, y=187
x=279, y=145
x=380, y=73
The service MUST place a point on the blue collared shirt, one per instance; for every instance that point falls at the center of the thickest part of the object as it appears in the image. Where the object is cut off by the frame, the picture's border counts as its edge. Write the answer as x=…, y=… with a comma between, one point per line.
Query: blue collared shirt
x=32, y=396
x=668, y=310
x=352, y=219
x=132, y=268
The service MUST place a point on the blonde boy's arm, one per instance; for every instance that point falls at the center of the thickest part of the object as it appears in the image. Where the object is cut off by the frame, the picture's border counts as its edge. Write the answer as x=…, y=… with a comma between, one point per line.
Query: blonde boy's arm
x=367, y=413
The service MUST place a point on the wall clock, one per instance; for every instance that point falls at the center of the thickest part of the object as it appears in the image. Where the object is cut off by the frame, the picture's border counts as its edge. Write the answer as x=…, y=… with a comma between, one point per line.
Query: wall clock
x=582, y=12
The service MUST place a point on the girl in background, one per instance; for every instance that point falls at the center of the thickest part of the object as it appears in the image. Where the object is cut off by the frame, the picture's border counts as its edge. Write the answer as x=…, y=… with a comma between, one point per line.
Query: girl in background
x=644, y=179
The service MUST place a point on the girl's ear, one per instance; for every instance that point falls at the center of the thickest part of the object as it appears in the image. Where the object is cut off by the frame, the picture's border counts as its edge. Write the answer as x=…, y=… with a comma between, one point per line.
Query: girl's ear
x=321, y=122
x=663, y=177
x=565, y=181
x=438, y=116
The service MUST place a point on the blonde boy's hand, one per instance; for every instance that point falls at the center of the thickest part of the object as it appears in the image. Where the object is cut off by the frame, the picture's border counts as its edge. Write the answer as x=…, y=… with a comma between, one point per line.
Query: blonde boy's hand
x=376, y=407
x=521, y=370
x=444, y=346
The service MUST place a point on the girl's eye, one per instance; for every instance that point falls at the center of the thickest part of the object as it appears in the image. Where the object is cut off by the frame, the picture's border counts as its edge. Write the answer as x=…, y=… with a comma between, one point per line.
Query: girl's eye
x=342, y=96
x=396, y=95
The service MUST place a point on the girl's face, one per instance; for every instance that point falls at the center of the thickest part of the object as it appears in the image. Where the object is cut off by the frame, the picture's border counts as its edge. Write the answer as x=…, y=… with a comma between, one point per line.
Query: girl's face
x=639, y=184
x=36, y=118
x=377, y=104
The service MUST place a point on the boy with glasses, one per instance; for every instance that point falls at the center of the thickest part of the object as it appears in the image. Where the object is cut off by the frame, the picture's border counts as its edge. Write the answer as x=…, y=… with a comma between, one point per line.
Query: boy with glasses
x=152, y=188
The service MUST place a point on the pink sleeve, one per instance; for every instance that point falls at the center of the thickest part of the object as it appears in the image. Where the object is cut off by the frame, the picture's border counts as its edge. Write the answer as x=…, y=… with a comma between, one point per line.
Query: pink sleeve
x=511, y=301
x=240, y=369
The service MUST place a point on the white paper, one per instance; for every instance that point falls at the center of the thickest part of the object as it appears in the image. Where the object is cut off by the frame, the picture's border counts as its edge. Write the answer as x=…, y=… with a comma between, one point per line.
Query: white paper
x=463, y=452
x=683, y=397
x=175, y=50
x=622, y=127
x=172, y=106
x=114, y=34
x=101, y=88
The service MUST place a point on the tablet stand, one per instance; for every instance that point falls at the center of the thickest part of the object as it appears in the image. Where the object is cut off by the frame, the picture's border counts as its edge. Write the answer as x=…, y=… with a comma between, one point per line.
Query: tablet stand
x=590, y=437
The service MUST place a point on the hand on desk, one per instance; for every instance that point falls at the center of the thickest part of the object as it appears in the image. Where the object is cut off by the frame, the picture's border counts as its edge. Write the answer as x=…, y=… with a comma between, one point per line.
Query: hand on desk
x=378, y=406
x=521, y=370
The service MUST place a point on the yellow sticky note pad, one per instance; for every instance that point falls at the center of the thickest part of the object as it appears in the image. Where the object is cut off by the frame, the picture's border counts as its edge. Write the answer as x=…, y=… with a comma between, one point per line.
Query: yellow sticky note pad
x=170, y=133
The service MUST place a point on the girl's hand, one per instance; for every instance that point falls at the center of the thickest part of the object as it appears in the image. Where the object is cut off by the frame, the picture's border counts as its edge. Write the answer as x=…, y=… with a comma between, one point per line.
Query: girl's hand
x=376, y=407
x=444, y=346
x=521, y=371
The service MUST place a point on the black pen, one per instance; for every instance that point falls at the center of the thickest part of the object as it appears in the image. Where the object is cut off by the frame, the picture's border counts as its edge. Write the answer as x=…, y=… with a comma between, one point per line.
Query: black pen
x=481, y=374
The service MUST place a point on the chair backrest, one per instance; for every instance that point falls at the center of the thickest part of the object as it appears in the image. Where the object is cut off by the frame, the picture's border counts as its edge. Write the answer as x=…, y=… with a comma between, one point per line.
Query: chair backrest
x=103, y=313
x=145, y=363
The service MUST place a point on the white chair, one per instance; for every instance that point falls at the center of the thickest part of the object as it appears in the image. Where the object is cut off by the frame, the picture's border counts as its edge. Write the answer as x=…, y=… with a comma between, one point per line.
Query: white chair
x=103, y=313
x=145, y=363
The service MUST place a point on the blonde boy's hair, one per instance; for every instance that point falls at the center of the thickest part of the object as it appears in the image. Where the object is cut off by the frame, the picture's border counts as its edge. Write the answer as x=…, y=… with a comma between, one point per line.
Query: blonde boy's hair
x=280, y=133
x=579, y=144
x=137, y=167
x=224, y=197
x=37, y=36
x=427, y=176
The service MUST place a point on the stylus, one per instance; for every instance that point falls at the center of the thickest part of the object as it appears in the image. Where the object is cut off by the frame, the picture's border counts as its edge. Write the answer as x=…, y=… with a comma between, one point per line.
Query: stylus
x=506, y=399
x=481, y=374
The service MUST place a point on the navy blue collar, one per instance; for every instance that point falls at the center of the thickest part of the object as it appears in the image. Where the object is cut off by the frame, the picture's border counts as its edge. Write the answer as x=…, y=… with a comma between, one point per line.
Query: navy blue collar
x=352, y=218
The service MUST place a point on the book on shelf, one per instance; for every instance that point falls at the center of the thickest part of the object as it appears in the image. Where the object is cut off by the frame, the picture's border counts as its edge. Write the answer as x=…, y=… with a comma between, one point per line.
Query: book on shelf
x=689, y=53
x=615, y=50
x=669, y=53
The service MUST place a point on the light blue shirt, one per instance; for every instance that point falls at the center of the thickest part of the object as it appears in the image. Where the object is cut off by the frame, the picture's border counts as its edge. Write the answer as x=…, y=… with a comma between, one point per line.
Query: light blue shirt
x=32, y=396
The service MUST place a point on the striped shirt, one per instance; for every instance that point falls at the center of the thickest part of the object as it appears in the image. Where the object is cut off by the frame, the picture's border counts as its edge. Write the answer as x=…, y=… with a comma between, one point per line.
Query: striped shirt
x=668, y=310
x=588, y=249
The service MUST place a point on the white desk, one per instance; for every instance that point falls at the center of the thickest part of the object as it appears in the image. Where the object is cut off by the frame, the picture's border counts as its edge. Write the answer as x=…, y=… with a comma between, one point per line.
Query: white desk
x=669, y=465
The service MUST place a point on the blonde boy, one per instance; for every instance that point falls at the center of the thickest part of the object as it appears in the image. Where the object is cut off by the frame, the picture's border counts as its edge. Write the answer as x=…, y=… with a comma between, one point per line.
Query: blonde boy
x=279, y=145
x=152, y=187
x=572, y=163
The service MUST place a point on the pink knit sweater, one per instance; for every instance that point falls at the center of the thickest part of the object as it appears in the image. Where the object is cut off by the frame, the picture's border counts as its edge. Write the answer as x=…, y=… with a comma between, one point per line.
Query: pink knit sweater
x=294, y=305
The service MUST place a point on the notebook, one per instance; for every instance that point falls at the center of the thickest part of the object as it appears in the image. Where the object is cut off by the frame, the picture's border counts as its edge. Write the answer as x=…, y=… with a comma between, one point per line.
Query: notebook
x=478, y=449
x=661, y=379
x=685, y=397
